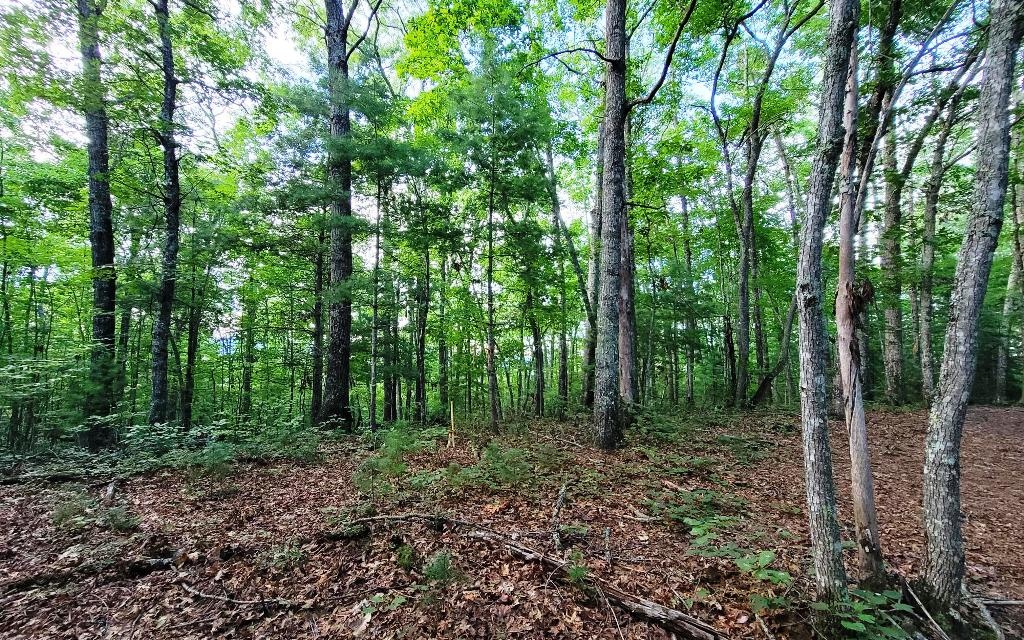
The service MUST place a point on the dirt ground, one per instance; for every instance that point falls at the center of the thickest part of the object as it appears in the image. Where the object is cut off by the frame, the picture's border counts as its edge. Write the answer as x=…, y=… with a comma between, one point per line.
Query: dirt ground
x=259, y=553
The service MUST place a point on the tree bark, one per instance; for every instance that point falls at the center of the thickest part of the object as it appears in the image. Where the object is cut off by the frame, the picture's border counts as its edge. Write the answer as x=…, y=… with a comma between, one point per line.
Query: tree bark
x=628, y=395
x=607, y=419
x=826, y=551
x=944, y=568
x=851, y=298
x=99, y=400
x=594, y=271
x=492, y=347
x=1012, y=299
x=892, y=282
x=336, y=408
x=159, y=406
x=317, y=392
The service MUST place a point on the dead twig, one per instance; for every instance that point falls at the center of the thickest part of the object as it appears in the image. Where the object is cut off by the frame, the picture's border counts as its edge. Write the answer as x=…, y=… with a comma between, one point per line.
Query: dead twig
x=924, y=609
x=278, y=602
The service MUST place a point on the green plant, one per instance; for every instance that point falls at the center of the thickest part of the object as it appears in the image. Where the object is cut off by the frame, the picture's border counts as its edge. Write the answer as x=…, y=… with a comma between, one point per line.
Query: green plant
x=406, y=557
x=120, y=519
x=576, y=571
x=757, y=565
x=73, y=513
x=441, y=569
x=283, y=556
x=866, y=614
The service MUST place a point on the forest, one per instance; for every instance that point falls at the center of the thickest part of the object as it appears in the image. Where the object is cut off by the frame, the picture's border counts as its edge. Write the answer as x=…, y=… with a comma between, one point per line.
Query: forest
x=680, y=319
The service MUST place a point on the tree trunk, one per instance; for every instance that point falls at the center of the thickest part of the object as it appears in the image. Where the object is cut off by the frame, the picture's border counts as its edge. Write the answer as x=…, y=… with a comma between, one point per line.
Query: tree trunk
x=159, y=407
x=442, y=338
x=375, y=315
x=607, y=419
x=851, y=298
x=1012, y=300
x=492, y=347
x=594, y=271
x=99, y=400
x=336, y=407
x=316, y=401
x=826, y=551
x=195, y=317
x=892, y=282
x=944, y=568
x=538, y=355
x=628, y=395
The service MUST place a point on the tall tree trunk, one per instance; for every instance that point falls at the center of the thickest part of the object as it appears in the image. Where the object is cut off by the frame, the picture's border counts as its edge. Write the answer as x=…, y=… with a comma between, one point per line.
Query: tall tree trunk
x=850, y=300
x=944, y=568
x=442, y=338
x=158, y=406
x=336, y=407
x=422, y=309
x=538, y=355
x=689, y=321
x=492, y=347
x=628, y=395
x=195, y=317
x=607, y=419
x=933, y=185
x=892, y=281
x=1012, y=299
x=594, y=271
x=317, y=392
x=99, y=400
x=375, y=317
x=826, y=551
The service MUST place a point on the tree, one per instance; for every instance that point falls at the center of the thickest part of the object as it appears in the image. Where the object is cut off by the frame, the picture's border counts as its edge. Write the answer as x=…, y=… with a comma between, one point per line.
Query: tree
x=830, y=577
x=100, y=396
x=159, y=409
x=944, y=570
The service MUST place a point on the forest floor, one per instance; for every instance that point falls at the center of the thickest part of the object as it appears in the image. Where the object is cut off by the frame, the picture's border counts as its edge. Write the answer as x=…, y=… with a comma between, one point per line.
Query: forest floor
x=702, y=513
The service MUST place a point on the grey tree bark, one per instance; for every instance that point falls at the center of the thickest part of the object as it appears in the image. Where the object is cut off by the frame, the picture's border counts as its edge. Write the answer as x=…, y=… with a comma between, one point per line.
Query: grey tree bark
x=944, y=568
x=607, y=422
x=1012, y=299
x=851, y=298
x=826, y=551
x=159, y=406
x=99, y=400
x=594, y=272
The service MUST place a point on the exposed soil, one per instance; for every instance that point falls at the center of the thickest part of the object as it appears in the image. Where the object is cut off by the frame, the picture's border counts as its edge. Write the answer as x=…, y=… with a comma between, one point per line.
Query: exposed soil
x=257, y=554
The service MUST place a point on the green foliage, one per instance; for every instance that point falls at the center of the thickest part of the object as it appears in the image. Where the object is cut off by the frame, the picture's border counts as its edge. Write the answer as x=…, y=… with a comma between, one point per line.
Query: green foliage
x=74, y=512
x=758, y=566
x=866, y=614
x=407, y=558
x=441, y=569
x=576, y=571
x=744, y=449
x=120, y=519
x=283, y=557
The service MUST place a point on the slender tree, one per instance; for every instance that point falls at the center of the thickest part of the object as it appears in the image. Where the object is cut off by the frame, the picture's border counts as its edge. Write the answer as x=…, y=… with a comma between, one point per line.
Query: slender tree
x=944, y=569
x=829, y=575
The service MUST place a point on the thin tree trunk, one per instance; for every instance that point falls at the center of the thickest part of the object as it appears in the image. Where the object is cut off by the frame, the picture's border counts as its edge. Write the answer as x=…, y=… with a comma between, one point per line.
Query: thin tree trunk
x=850, y=300
x=594, y=271
x=99, y=400
x=1012, y=299
x=538, y=355
x=159, y=407
x=317, y=392
x=892, y=282
x=492, y=374
x=375, y=315
x=944, y=568
x=826, y=551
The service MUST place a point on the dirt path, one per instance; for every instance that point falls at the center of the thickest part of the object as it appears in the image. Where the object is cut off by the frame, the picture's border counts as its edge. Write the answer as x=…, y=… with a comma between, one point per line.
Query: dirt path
x=250, y=541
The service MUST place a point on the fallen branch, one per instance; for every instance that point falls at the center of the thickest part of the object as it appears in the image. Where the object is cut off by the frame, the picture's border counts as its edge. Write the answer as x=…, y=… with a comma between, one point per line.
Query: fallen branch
x=274, y=602
x=924, y=610
x=647, y=610
x=1002, y=603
